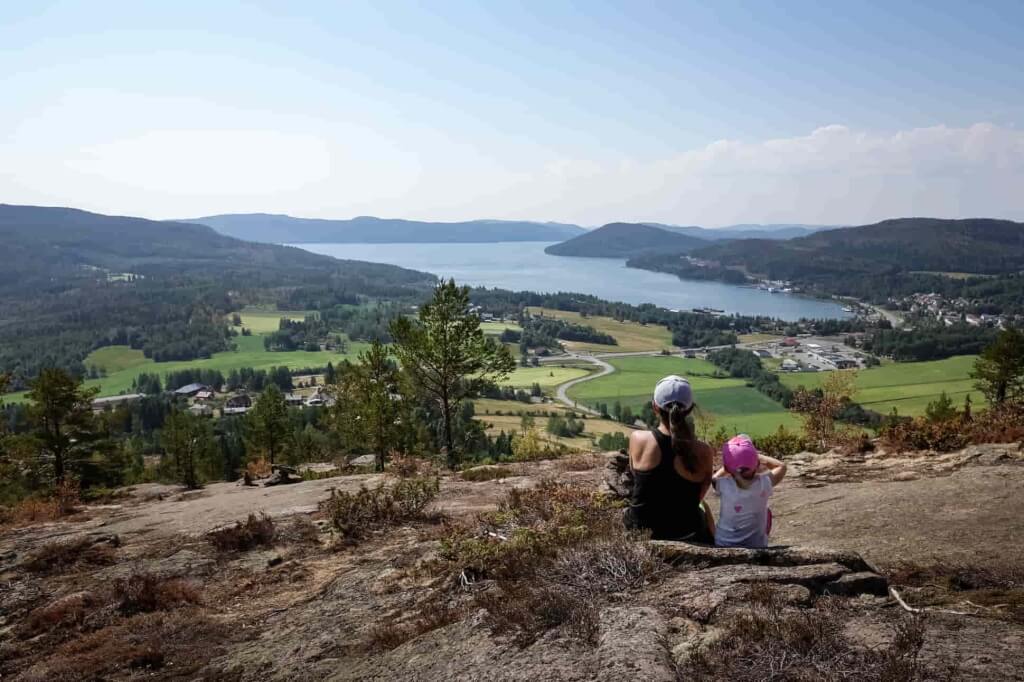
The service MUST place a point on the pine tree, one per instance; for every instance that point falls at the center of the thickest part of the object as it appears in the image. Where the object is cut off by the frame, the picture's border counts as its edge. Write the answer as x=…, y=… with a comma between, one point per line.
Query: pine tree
x=447, y=355
x=60, y=408
x=999, y=370
x=267, y=422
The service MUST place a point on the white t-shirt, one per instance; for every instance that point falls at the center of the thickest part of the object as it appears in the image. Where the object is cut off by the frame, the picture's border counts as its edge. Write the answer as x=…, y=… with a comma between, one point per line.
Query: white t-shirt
x=743, y=515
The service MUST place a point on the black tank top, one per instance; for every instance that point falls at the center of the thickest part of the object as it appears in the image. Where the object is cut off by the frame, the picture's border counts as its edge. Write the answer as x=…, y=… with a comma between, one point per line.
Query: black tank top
x=663, y=501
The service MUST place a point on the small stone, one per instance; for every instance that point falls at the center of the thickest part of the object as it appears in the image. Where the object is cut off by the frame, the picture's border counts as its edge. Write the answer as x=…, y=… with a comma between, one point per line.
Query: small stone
x=275, y=561
x=853, y=584
x=364, y=461
x=906, y=476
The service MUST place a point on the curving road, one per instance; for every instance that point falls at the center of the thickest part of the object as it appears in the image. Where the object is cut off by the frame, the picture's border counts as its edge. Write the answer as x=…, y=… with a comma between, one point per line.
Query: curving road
x=563, y=397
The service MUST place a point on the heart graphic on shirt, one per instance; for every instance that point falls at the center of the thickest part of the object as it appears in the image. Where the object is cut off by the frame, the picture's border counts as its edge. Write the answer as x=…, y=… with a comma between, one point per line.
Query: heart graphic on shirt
x=738, y=508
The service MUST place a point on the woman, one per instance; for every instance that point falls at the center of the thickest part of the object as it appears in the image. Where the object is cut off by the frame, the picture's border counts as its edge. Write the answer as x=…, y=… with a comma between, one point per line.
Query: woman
x=671, y=470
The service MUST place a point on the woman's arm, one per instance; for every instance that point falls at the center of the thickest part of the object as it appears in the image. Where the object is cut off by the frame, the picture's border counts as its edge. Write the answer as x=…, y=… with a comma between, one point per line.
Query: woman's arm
x=776, y=468
x=708, y=456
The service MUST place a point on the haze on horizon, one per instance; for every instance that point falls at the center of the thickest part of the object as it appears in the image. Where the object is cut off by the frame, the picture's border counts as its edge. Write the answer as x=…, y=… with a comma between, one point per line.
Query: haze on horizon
x=686, y=113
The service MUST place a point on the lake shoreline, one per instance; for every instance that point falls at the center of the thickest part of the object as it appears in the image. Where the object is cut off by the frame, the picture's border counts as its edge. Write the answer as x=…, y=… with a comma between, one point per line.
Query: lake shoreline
x=523, y=266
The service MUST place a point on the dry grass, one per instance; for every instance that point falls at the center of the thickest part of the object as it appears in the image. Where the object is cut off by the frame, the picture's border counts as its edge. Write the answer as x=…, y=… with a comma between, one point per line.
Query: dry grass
x=355, y=515
x=580, y=462
x=430, y=617
x=407, y=466
x=146, y=593
x=62, y=556
x=255, y=531
x=259, y=468
x=1002, y=424
x=92, y=610
x=548, y=557
x=180, y=642
x=993, y=591
x=69, y=611
x=764, y=639
x=64, y=501
x=486, y=473
x=526, y=611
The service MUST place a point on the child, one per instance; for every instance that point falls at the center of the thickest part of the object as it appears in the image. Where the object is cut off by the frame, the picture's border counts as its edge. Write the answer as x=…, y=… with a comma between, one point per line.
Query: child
x=744, y=484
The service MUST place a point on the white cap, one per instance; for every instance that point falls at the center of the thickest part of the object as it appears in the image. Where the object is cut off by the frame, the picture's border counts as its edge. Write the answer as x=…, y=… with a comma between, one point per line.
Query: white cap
x=673, y=389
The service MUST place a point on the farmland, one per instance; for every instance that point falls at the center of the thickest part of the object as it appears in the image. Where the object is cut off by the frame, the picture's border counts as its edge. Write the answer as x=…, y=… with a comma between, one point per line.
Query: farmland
x=510, y=421
x=547, y=376
x=249, y=353
x=496, y=328
x=908, y=387
x=260, y=321
x=122, y=364
x=631, y=336
x=729, y=401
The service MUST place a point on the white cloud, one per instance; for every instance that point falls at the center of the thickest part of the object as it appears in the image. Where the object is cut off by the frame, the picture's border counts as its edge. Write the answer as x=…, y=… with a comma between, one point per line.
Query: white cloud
x=834, y=174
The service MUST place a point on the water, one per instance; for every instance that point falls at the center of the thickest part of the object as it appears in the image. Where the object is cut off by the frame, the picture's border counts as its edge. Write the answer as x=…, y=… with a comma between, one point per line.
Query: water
x=523, y=266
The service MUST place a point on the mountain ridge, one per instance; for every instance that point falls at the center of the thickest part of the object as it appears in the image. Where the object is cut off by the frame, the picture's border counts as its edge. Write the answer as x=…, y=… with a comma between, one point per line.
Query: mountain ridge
x=282, y=228
x=774, y=231
x=625, y=240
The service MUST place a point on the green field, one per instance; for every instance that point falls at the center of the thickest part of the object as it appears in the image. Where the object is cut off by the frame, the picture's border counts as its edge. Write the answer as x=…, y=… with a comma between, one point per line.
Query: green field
x=123, y=364
x=729, y=401
x=547, y=377
x=632, y=336
x=907, y=386
x=261, y=321
x=496, y=328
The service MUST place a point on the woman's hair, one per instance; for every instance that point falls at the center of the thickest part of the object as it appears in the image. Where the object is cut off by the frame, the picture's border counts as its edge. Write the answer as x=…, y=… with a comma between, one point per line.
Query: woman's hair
x=683, y=437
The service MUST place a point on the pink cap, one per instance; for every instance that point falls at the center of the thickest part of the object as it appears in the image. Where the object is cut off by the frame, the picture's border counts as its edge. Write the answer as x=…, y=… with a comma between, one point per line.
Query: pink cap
x=739, y=452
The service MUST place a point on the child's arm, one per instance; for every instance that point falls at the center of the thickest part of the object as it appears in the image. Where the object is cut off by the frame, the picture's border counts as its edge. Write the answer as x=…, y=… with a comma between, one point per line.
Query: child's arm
x=776, y=468
x=720, y=473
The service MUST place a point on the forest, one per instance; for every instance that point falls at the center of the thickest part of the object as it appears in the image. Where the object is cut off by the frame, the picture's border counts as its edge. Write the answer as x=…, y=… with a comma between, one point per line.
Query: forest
x=75, y=281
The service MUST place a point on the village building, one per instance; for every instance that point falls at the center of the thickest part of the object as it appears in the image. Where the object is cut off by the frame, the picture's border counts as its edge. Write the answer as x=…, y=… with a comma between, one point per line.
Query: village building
x=238, y=404
x=190, y=390
x=200, y=409
x=100, y=404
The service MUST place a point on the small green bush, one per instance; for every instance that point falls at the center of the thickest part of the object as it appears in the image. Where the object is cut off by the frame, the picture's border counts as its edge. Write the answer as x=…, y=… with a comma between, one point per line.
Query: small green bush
x=781, y=444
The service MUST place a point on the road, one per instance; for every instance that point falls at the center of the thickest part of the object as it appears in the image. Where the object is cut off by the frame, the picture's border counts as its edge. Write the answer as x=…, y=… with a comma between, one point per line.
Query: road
x=563, y=397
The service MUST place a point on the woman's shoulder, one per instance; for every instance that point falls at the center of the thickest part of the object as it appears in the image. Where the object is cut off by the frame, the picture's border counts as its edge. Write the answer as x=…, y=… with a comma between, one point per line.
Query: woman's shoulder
x=640, y=435
x=706, y=453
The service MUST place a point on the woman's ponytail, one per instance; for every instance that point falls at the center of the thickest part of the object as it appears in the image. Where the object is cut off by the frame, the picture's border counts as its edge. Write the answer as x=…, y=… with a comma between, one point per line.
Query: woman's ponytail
x=682, y=436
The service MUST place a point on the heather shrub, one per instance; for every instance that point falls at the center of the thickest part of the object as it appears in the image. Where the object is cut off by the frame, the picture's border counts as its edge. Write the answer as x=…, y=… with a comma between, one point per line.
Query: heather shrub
x=920, y=433
x=485, y=473
x=354, y=514
x=545, y=557
x=64, y=555
x=244, y=535
x=148, y=592
x=800, y=645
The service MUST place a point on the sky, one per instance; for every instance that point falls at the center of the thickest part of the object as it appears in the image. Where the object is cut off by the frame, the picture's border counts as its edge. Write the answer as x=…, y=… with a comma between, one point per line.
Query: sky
x=695, y=113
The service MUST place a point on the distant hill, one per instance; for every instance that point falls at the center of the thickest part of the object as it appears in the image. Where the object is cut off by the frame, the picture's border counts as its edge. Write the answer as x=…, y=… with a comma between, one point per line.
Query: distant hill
x=982, y=246
x=278, y=229
x=52, y=243
x=747, y=231
x=73, y=281
x=625, y=240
